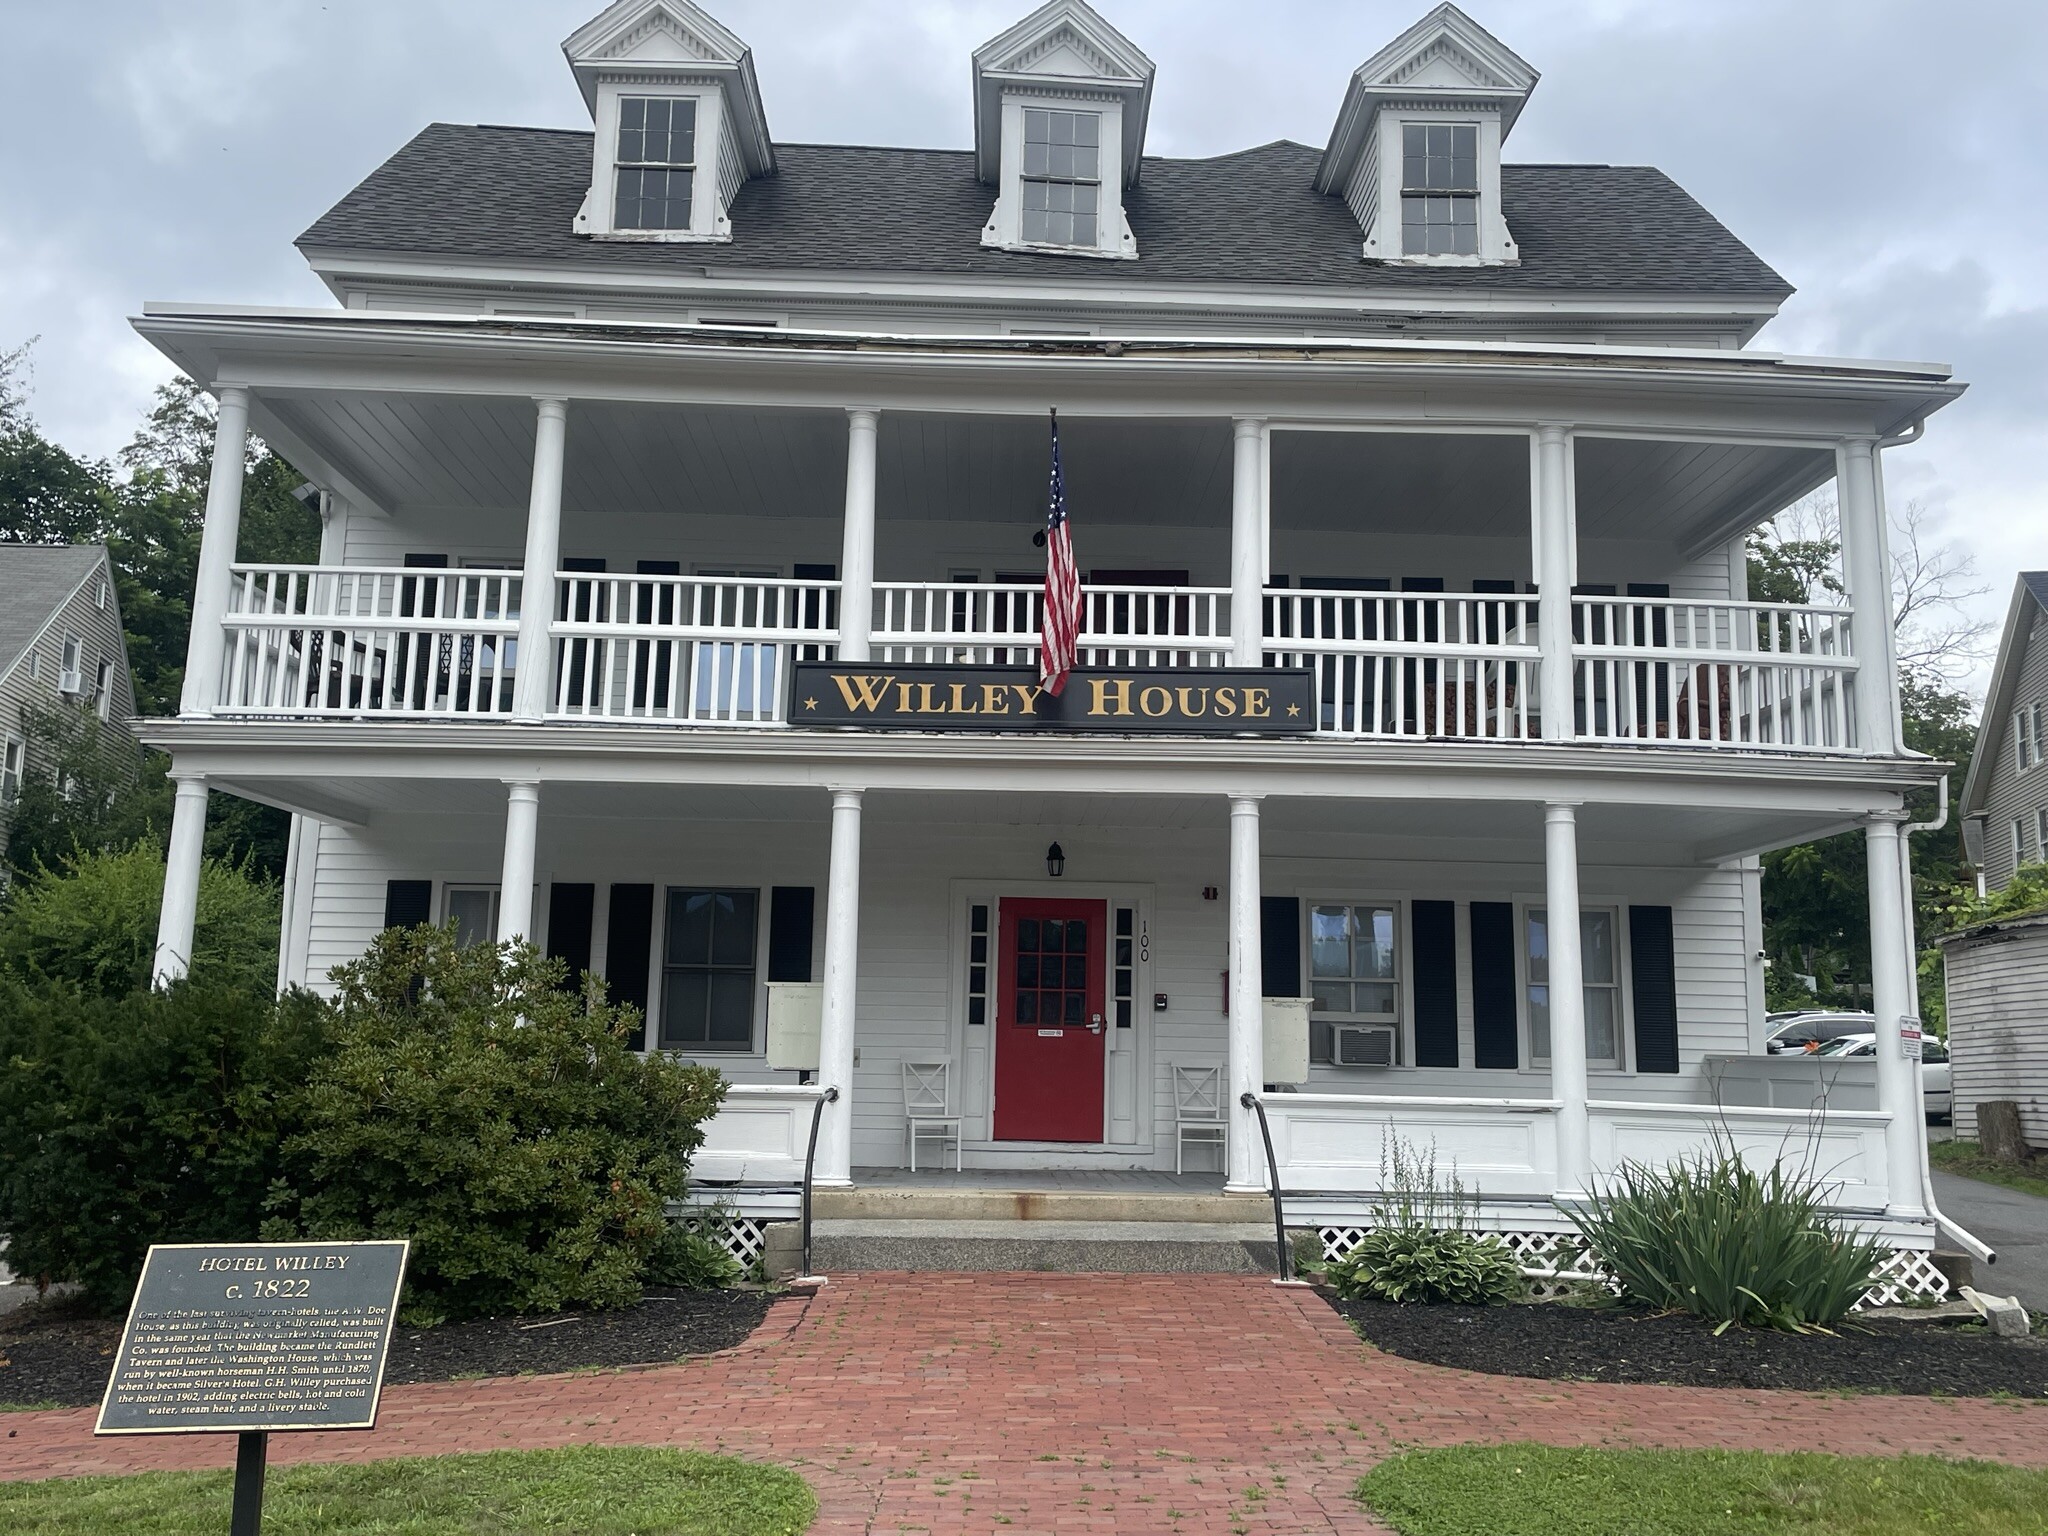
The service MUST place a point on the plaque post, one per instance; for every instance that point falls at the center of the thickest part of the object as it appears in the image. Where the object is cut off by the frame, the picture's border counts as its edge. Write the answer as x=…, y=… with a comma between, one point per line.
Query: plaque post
x=251, y=1454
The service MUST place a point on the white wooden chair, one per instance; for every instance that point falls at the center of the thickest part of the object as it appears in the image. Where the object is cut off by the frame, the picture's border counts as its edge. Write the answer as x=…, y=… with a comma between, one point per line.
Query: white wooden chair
x=927, y=1109
x=1198, y=1108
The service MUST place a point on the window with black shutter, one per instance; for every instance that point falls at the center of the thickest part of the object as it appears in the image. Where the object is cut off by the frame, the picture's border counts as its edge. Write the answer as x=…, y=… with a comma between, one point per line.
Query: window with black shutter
x=1494, y=1029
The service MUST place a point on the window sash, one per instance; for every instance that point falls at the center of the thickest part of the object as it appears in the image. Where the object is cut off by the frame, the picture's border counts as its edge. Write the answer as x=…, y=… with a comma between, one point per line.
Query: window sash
x=1060, y=194
x=710, y=950
x=1600, y=963
x=1355, y=969
x=473, y=909
x=11, y=754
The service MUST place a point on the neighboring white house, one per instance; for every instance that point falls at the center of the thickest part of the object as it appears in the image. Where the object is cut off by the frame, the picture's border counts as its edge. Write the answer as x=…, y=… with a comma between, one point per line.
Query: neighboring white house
x=60, y=643
x=678, y=599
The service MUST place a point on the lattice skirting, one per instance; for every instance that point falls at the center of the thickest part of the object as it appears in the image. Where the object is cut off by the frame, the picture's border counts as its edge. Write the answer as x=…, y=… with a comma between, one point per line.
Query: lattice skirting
x=741, y=1236
x=1554, y=1262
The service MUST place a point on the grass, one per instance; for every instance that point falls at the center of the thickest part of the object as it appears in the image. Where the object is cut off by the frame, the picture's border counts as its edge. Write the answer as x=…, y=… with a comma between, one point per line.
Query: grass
x=586, y=1490
x=1964, y=1158
x=1534, y=1490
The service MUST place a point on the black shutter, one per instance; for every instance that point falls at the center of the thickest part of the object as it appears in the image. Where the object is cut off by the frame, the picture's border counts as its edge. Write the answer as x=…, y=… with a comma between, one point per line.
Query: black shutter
x=628, y=945
x=569, y=914
x=1494, y=1041
x=1653, y=976
x=408, y=903
x=791, y=910
x=1279, y=946
x=1433, y=930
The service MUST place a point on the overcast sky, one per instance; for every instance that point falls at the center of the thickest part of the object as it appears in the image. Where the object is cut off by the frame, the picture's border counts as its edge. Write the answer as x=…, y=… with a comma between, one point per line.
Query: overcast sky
x=1884, y=155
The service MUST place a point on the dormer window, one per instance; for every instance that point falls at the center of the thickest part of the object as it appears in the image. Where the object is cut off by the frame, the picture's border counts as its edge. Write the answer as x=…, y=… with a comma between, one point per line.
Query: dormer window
x=1440, y=189
x=656, y=163
x=1062, y=181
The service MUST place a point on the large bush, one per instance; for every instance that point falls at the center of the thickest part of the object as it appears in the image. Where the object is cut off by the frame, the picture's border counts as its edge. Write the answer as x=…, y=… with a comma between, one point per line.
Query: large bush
x=1418, y=1244
x=91, y=923
x=1715, y=1237
x=149, y=1117
x=508, y=1128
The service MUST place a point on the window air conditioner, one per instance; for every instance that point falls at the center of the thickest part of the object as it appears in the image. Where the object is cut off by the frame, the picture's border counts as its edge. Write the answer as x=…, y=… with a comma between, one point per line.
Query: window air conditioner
x=71, y=681
x=1364, y=1045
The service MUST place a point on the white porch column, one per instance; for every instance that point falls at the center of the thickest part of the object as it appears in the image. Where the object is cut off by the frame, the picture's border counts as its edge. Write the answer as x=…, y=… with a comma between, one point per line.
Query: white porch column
x=842, y=958
x=1246, y=1048
x=180, y=911
x=1567, y=997
x=1556, y=566
x=1247, y=542
x=1891, y=985
x=1867, y=569
x=515, y=885
x=857, y=548
x=207, y=643
x=533, y=679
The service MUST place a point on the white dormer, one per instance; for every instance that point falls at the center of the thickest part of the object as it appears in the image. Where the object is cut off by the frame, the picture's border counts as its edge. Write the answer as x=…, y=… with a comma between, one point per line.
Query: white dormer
x=1416, y=149
x=1060, y=102
x=680, y=126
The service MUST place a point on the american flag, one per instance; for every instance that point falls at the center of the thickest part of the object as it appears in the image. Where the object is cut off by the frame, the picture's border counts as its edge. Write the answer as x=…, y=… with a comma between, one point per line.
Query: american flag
x=1060, y=628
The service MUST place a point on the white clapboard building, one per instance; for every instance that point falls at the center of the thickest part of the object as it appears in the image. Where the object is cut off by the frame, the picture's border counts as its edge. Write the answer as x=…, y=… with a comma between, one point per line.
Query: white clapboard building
x=679, y=609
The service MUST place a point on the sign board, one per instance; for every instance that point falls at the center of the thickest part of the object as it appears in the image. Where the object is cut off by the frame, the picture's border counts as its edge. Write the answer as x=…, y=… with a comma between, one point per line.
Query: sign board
x=796, y=1020
x=1909, y=1039
x=1284, y=1030
x=255, y=1336
x=1181, y=701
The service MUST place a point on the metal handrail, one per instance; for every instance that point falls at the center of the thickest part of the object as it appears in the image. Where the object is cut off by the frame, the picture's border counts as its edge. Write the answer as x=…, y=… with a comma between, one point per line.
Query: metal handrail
x=1251, y=1101
x=829, y=1096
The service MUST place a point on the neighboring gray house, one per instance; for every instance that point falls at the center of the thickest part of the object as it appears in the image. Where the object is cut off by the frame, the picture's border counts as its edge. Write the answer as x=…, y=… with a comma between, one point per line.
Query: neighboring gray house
x=2005, y=797
x=60, y=642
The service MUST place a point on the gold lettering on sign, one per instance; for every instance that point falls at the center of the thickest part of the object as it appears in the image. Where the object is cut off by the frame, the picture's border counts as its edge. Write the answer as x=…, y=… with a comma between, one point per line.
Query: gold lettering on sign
x=1258, y=703
x=995, y=699
x=960, y=704
x=1147, y=695
x=925, y=706
x=1194, y=702
x=1226, y=701
x=1102, y=690
x=1027, y=693
x=862, y=692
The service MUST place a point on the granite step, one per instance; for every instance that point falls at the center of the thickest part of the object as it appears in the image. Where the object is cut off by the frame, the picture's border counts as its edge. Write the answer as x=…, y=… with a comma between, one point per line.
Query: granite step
x=1055, y=1246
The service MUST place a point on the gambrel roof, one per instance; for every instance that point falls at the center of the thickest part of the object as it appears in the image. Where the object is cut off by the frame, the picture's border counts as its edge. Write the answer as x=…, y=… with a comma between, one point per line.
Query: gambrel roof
x=508, y=195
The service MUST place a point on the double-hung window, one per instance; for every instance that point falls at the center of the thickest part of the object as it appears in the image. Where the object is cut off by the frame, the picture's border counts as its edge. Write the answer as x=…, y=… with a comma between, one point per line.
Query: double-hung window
x=656, y=165
x=707, y=981
x=1354, y=969
x=473, y=909
x=1601, y=966
x=12, y=750
x=1062, y=190
x=1439, y=189
x=2026, y=746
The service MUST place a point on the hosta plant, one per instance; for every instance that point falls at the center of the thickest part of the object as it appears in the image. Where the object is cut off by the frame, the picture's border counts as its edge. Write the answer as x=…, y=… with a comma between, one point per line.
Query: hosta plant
x=1418, y=1245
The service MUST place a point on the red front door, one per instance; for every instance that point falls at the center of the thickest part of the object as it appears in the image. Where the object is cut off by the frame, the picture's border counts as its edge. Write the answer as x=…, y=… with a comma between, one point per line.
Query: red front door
x=1049, y=1025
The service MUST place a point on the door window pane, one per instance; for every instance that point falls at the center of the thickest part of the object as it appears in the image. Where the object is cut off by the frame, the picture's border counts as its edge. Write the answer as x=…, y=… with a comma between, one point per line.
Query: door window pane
x=707, y=994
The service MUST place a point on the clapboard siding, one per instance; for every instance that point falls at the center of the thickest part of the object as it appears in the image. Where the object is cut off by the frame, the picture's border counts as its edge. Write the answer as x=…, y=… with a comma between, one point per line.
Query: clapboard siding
x=1998, y=1023
x=2012, y=795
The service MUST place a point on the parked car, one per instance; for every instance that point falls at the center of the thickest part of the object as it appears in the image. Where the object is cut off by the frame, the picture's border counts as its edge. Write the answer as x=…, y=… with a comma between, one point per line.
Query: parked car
x=1797, y=1031
x=1935, y=1086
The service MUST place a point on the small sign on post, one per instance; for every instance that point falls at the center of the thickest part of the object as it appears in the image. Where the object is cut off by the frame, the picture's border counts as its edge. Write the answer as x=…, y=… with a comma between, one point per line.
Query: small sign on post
x=247, y=1338
x=1909, y=1039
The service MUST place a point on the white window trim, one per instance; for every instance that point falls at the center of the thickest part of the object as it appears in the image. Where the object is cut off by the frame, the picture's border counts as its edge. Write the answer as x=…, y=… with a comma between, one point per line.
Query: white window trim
x=708, y=220
x=103, y=688
x=1004, y=230
x=13, y=764
x=1383, y=241
x=2019, y=841
x=1624, y=1000
x=453, y=888
x=2023, y=739
x=657, y=994
x=1404, y=963
x=2041, y=830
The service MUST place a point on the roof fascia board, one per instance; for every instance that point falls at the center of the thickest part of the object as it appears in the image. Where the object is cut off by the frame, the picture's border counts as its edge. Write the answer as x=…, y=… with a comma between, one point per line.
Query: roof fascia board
x=2005, y=680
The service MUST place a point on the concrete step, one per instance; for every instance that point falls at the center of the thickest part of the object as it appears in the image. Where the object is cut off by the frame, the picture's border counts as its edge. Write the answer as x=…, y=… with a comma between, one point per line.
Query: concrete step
x=1055, y=1246
x=896, y=1203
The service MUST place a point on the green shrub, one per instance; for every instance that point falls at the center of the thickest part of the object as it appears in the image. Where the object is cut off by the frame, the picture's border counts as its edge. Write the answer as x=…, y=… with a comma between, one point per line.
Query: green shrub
x=687, y=1256
x=508, y=1128
x=146, y=1118
x=1418, y=1245
x=91, y=922
x=1712, y=1236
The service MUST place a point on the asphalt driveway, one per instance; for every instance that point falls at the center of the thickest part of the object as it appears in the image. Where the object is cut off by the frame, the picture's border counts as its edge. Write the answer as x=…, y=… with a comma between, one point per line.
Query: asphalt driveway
x=2013, y=1223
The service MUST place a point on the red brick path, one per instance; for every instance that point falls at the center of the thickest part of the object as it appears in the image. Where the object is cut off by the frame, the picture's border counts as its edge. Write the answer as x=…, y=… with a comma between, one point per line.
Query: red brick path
x=1063, y=1403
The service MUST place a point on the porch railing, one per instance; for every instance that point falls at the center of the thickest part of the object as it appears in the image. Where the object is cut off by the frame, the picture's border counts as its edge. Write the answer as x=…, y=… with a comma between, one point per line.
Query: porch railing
x=1713, y=674
x=997, y=624
x=366, y=640
x=687, y=649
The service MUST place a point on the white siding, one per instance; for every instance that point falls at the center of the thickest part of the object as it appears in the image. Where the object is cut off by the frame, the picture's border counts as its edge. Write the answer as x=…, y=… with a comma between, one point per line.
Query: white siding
x=2012, y=795
x=1998, y=1024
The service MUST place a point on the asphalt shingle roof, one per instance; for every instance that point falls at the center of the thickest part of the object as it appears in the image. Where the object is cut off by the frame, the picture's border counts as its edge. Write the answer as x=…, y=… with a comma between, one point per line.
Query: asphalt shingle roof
x=34, y=579
x=509, y=194
x=2037, y=584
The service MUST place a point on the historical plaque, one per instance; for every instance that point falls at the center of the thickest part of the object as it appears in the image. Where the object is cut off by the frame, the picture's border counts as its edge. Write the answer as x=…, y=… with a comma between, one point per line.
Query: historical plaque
x=255, y=1336
x=1181, y=701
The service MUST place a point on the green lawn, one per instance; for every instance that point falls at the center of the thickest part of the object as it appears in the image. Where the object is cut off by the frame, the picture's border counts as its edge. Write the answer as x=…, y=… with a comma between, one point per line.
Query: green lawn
x=585, y=1490
x=1962, y=1157
x=1534, y=1490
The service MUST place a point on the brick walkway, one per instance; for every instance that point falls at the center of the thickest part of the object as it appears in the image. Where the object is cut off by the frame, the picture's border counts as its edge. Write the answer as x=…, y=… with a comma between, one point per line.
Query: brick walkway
x=1062, y=1403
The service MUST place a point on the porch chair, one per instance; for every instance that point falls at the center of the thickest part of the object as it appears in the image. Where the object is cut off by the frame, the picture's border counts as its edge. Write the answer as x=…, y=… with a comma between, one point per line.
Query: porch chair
x=1198, y=1109
x=927, y=1109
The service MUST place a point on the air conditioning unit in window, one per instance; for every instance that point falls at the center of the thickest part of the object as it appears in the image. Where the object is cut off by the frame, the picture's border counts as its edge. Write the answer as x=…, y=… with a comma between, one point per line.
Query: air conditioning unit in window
x=1364, y=1045
x=71, y=680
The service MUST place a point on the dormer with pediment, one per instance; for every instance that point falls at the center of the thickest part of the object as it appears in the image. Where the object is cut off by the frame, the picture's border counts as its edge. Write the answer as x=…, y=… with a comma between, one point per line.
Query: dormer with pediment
x=1416, y=148
x=680, y=125
x=1060, y=104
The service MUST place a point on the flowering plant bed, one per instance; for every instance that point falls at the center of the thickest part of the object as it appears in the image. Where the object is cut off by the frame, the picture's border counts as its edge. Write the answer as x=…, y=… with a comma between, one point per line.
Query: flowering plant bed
x=1618, y=1344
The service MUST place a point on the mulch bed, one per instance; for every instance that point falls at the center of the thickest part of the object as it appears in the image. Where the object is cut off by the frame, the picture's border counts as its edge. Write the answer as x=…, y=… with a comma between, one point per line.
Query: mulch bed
x=48, y=1354
x=1566, y=1343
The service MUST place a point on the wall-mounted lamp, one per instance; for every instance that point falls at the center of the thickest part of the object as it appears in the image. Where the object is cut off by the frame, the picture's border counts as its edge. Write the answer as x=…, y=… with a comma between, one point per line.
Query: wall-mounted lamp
x=1055, y=861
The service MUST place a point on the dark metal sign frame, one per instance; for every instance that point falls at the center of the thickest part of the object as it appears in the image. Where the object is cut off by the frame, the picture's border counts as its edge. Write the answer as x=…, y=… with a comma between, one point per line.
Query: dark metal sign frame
x=1115, y=701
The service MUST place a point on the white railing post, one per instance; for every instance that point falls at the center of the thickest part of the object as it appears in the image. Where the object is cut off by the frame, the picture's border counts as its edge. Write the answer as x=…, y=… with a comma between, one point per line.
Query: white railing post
x=842, y=960
x=1247, y=537
x=515, y=886
x=179, y=915
x=533, y=674
x=1867, y=568
x=1556, y=562
x=206, y=646
x=1246, y=1040
x=857, y=548
x=1891, y=989
x=1566, y=980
